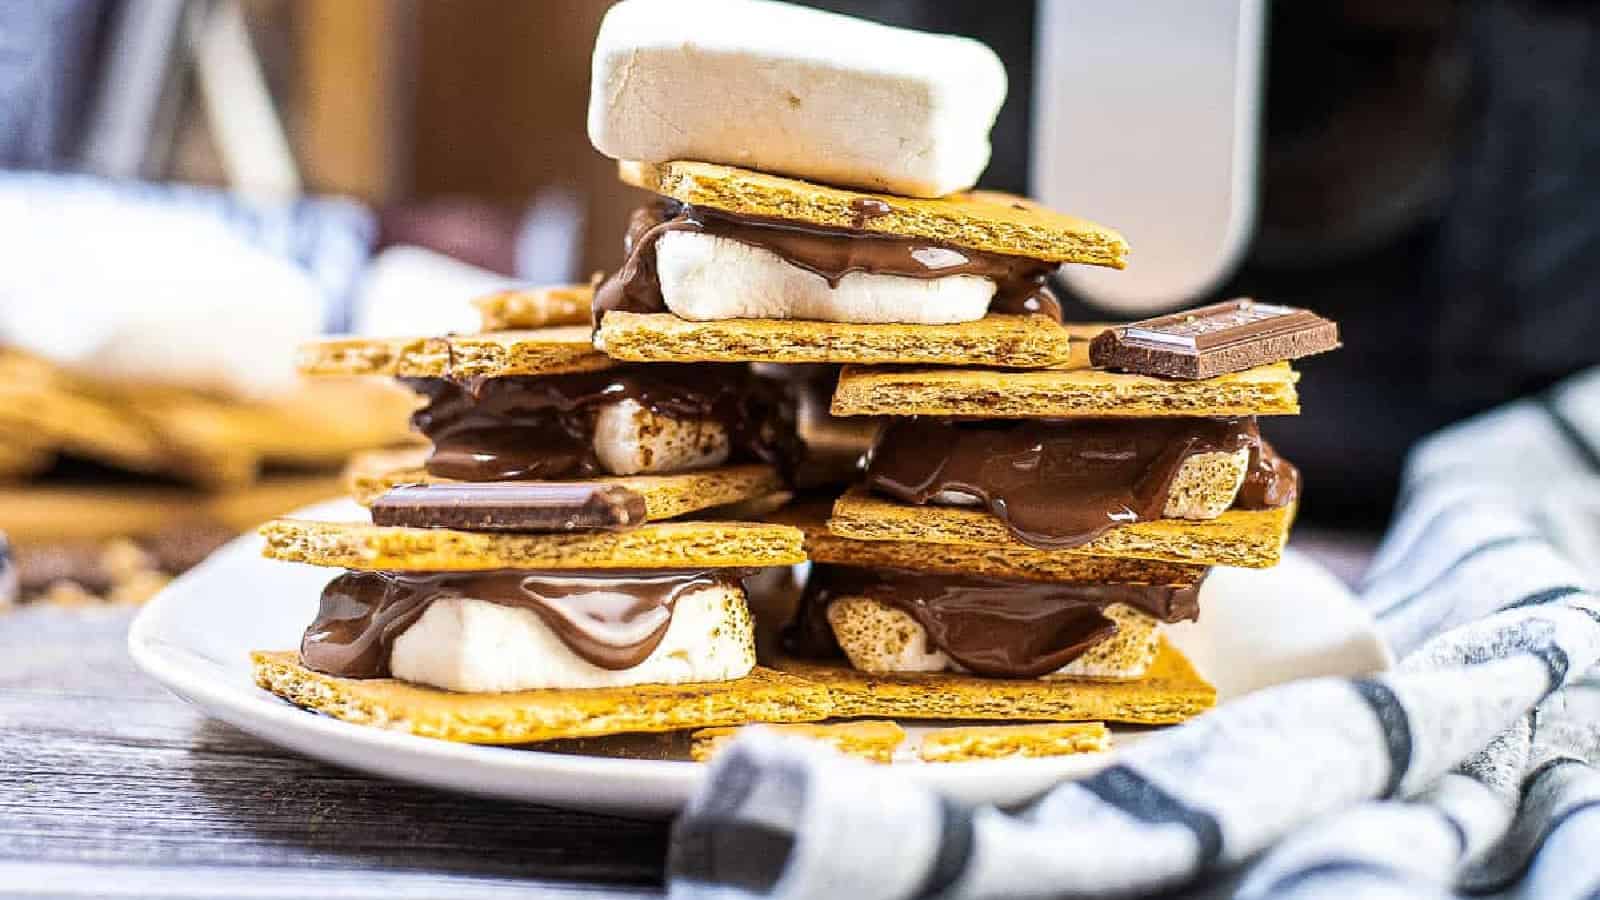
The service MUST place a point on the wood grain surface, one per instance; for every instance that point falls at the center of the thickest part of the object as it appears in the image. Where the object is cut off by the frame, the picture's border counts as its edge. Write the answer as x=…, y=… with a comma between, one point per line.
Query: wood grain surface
x=112, y=787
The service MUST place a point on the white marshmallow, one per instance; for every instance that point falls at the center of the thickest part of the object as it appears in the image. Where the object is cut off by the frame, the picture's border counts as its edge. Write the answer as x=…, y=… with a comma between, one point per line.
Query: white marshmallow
x=468, y=645
x=705, y=278
x=794, y=91
x=632, y=440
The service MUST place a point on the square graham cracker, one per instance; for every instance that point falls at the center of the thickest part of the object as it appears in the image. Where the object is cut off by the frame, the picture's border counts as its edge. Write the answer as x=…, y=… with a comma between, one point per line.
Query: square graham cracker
x=1171, y=691
x=1011, y=741
x=545, y=351
x=996, y=340
x=873, y=740
x=660, y=545
x=1066, y=389
x=1013, y=561
x=370, y=475
x=1252, y=538
x=536, y=307
x=527, y=716
x=979, y=220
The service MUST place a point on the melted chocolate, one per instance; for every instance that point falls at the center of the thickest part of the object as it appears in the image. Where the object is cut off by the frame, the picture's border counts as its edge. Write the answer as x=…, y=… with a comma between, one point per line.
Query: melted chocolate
x=613, y=619
x=1061, y=483
x=989, y=626
x=501, y=429
x=1021, y=284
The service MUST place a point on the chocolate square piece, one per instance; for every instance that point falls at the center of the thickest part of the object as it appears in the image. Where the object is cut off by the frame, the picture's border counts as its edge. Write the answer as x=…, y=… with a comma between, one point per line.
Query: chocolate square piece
x=1214, y=340
x=510, y=506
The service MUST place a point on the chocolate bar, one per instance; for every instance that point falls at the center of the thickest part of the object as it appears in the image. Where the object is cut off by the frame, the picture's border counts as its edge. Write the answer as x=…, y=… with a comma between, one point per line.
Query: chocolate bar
x=1214, y=340
x=510, y=506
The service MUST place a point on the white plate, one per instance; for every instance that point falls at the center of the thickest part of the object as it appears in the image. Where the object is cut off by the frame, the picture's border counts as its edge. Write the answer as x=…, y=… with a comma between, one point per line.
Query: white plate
x=1258, y=628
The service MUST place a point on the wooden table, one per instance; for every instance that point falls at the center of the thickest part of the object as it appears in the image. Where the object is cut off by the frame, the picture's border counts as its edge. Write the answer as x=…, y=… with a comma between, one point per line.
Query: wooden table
x=112, y=787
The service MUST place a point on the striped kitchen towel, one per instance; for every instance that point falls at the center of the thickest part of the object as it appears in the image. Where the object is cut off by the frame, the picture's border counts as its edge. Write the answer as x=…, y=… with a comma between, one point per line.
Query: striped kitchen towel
x=1467, y=768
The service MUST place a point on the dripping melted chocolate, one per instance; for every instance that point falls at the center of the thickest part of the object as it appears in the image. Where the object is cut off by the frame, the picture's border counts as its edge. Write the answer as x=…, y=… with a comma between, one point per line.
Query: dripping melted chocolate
x=1021, y=284
x=613, y=619
x=989, y=626
x=500, y=429
x=1062, y=483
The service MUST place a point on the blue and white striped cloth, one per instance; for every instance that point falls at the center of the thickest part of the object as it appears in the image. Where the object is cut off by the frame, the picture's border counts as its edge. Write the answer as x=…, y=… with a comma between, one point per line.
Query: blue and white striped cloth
x=1469, y=768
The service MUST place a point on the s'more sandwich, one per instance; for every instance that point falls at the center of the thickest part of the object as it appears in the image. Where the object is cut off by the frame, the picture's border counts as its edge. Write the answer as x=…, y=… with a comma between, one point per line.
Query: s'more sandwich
x=1040, y=527
x=812, y=177
x=551, y=565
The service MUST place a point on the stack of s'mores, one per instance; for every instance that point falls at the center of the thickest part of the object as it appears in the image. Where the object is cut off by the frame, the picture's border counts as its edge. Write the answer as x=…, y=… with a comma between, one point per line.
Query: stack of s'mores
x=609, y=464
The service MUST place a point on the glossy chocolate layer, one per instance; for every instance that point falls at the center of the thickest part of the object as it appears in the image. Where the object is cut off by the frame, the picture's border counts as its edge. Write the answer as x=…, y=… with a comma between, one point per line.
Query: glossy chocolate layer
x=613, y=619
x=1021, y=284
x=500, y=429
x=989, y=626
x=1059, y=483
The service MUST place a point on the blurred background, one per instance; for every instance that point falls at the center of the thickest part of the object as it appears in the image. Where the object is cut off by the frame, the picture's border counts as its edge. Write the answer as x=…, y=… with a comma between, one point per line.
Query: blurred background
x=190, y=187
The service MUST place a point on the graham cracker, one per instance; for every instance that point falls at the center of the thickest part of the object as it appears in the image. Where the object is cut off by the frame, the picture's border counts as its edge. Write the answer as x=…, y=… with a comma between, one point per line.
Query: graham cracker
x=873, y=740
x=546, y=351
x=996, y=340
x=979, y=220
x=206, y=439
x=662, y=545
x=1252, y=538
x=20, y=456
x=540, y=715
x=1010, y=741
x=1171, y=691
x=370, y=475
x=536, y=307
x=1066, y=389
x=38, y=512
x=1011, y=561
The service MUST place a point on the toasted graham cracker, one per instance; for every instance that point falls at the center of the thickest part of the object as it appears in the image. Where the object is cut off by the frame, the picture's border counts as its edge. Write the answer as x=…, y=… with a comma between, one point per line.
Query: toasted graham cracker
x=547, y=351
x=980, y=220
x=665, y=496
x=873, y=740
x=995, y=340
x=206, y=439
x=1171, y=691
x=1015, y=561
x=1239, y=537
x=526, y=716
x=1069, y=388
x=1008, y=741
x=38, y=512
x=536, y=307
x=20, y=456
x=664, y=545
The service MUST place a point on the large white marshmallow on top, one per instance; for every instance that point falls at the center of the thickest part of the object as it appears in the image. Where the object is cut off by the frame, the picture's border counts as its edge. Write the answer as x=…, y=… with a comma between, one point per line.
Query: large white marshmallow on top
x=706, y=278
x=476, y=646
x=795, y=91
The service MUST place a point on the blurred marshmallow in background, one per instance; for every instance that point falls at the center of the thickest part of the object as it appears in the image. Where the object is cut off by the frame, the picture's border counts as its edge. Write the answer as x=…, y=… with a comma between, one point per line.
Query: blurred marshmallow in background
x=173, y=285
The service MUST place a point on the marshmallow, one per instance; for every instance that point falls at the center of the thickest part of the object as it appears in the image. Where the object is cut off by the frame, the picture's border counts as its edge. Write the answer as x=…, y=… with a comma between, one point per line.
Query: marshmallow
x=706, y=277
x=1206, y=484
x=475, y=646
x=795, y=91
x=881, y=639
x=632, y=440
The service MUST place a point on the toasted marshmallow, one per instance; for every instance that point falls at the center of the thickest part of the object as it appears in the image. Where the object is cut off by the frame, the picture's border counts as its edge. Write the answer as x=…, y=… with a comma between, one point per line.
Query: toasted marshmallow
x=1204, y=488
x=883, y=640
x=631, y=440
x=794, y=91
x=1206, y=485
x=706, y=277
x=475, y=646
